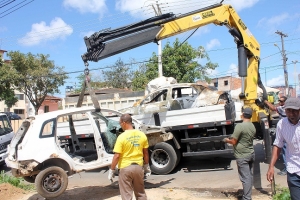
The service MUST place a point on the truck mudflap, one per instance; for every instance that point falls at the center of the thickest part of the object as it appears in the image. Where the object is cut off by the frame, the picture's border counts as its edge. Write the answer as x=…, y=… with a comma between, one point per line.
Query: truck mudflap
x=157, y=137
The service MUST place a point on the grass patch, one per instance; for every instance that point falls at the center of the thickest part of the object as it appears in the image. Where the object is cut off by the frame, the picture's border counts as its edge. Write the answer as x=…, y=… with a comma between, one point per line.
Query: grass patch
x=282, y=193
x=17, y=182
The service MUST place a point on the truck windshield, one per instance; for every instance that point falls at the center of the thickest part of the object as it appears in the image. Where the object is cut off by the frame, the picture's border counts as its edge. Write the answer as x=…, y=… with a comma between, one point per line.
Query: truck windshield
x=5, y=126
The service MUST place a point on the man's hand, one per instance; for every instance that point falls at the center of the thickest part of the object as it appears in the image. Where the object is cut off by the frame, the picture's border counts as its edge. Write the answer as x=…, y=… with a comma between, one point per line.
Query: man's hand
x=147, y=170
x=111, y=174
x=225, y=140
x=270, y=174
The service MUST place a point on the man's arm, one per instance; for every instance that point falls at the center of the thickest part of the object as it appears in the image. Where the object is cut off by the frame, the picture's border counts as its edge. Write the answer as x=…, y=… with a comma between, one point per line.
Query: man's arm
x=271, y=106
x=232, y=141
x=115, y=161
x=146, y=155
x=275, y=155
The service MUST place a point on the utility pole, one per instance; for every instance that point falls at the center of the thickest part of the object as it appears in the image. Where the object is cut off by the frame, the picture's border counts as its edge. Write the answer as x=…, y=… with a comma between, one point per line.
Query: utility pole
x=284, y=58
x=295, y=75
x=158, y=12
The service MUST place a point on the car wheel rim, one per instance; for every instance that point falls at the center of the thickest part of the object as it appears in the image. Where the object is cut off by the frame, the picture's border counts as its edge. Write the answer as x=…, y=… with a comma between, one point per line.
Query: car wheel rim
x=160, y=158
x=52, y=182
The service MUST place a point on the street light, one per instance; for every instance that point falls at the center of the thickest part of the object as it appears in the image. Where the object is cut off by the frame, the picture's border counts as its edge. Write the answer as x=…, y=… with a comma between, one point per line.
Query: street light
x=284, y=58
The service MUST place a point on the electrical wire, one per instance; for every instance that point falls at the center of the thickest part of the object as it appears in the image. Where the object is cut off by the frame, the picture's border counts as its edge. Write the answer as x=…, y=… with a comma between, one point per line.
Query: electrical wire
x=15, y=9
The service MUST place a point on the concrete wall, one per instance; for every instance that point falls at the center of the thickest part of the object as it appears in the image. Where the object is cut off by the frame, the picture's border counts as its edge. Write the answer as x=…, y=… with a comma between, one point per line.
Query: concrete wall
x=114, y=101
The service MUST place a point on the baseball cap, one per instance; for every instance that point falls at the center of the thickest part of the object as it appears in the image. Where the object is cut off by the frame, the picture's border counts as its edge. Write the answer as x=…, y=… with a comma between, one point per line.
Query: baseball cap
x=247, y=111
x=292, y=103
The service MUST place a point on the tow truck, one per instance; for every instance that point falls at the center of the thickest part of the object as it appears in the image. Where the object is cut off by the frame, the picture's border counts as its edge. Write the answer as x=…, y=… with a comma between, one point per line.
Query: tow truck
x=44, y=154
x=108, y=42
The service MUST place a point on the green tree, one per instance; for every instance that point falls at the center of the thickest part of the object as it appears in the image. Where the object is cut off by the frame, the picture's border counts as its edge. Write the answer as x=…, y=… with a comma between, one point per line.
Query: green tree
x=95, y=82
x=143, y=75
x=35, y=75
x=179, y=61
x=119, y=76
x=6, y=90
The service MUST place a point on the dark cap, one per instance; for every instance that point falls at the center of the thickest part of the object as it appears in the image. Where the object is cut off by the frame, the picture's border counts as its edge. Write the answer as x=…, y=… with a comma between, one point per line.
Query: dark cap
x=247, y=111
x=292, y=103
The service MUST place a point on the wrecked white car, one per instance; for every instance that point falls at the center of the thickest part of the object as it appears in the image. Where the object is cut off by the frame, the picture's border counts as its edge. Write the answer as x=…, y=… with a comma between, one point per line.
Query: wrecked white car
x=52, y=146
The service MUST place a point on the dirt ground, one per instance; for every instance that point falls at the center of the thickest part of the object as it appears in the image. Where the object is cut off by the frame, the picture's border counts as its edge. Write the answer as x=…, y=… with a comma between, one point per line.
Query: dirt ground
x=111, y=192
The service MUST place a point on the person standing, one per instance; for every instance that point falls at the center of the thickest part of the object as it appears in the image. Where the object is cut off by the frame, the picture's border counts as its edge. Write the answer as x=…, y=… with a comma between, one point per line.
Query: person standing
x=288, y=132
x=242, y=141
x=131, y=155
x=281, y=112
x=280, y=108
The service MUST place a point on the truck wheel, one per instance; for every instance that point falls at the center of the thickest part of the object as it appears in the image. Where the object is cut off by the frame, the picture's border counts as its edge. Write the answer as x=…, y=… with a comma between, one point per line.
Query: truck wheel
x=163, y=158
x=51, y=182
x=30, y=179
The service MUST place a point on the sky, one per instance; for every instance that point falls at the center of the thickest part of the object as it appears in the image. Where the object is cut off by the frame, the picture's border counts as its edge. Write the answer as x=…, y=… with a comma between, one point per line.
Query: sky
x=57, y=28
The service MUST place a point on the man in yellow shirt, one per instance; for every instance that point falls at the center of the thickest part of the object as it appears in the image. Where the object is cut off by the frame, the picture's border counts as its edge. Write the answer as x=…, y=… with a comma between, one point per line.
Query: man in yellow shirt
x=131, y=155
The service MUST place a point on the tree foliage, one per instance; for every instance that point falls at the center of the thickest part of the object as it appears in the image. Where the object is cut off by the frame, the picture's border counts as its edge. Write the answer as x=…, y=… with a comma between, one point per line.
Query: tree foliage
x=35, y=75
x=119, y=76
x=6, y=90
x=95, y=82
x=180, y=61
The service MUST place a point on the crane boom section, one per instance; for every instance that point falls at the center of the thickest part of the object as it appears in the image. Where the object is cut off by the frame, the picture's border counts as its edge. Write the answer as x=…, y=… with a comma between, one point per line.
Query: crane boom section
x=221, y=15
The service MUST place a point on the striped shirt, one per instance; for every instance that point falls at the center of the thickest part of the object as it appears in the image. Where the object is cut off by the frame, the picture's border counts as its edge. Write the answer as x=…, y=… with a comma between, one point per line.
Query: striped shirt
x=289, y=133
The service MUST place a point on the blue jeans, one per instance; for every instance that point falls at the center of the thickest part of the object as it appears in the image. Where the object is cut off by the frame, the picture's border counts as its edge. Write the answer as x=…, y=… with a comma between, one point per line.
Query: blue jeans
x=245, y=169
x=293, y=181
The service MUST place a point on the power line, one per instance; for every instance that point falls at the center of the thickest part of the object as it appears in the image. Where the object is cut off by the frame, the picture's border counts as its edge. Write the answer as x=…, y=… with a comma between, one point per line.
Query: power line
x=15, y=9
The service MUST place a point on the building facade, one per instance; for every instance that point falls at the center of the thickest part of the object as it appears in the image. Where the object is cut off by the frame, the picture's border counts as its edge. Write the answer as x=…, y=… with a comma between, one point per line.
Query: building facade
x=111, y=98
x=226, y=83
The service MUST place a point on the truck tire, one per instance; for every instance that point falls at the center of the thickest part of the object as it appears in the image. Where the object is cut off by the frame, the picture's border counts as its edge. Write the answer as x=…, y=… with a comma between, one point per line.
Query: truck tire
x=30, y=179
x=163, y=158
x=51, y=182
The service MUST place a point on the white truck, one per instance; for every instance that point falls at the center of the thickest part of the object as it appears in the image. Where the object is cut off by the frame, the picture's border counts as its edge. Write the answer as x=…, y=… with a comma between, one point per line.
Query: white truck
x=6, y=135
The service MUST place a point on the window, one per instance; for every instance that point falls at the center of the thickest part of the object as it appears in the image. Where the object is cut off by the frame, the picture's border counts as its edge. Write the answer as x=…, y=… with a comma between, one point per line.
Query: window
x=48, y=128
x=46, y=109
x=19, y=111
x=20, y=96
x=216, y=84
x=226, y=82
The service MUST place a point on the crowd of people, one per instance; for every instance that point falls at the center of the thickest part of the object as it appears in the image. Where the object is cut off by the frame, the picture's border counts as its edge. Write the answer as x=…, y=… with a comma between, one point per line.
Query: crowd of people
x=131, y=151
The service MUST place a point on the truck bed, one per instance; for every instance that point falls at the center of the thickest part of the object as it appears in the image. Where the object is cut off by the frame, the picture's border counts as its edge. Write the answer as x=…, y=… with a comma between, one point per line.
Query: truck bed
x=206, y=114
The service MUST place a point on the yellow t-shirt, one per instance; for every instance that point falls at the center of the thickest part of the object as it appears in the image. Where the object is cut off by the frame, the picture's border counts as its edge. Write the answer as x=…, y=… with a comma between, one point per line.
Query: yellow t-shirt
x=130, y=145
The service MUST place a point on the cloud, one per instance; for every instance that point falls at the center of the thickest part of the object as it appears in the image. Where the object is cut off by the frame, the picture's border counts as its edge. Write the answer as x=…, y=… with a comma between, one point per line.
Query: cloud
x=279, y=80
x=3, y=29
x=86, y=6
x=233, y=70
x=239, y=5
x=213, y=43
x=212, y=73
x=40, y=32
x=271, y=24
